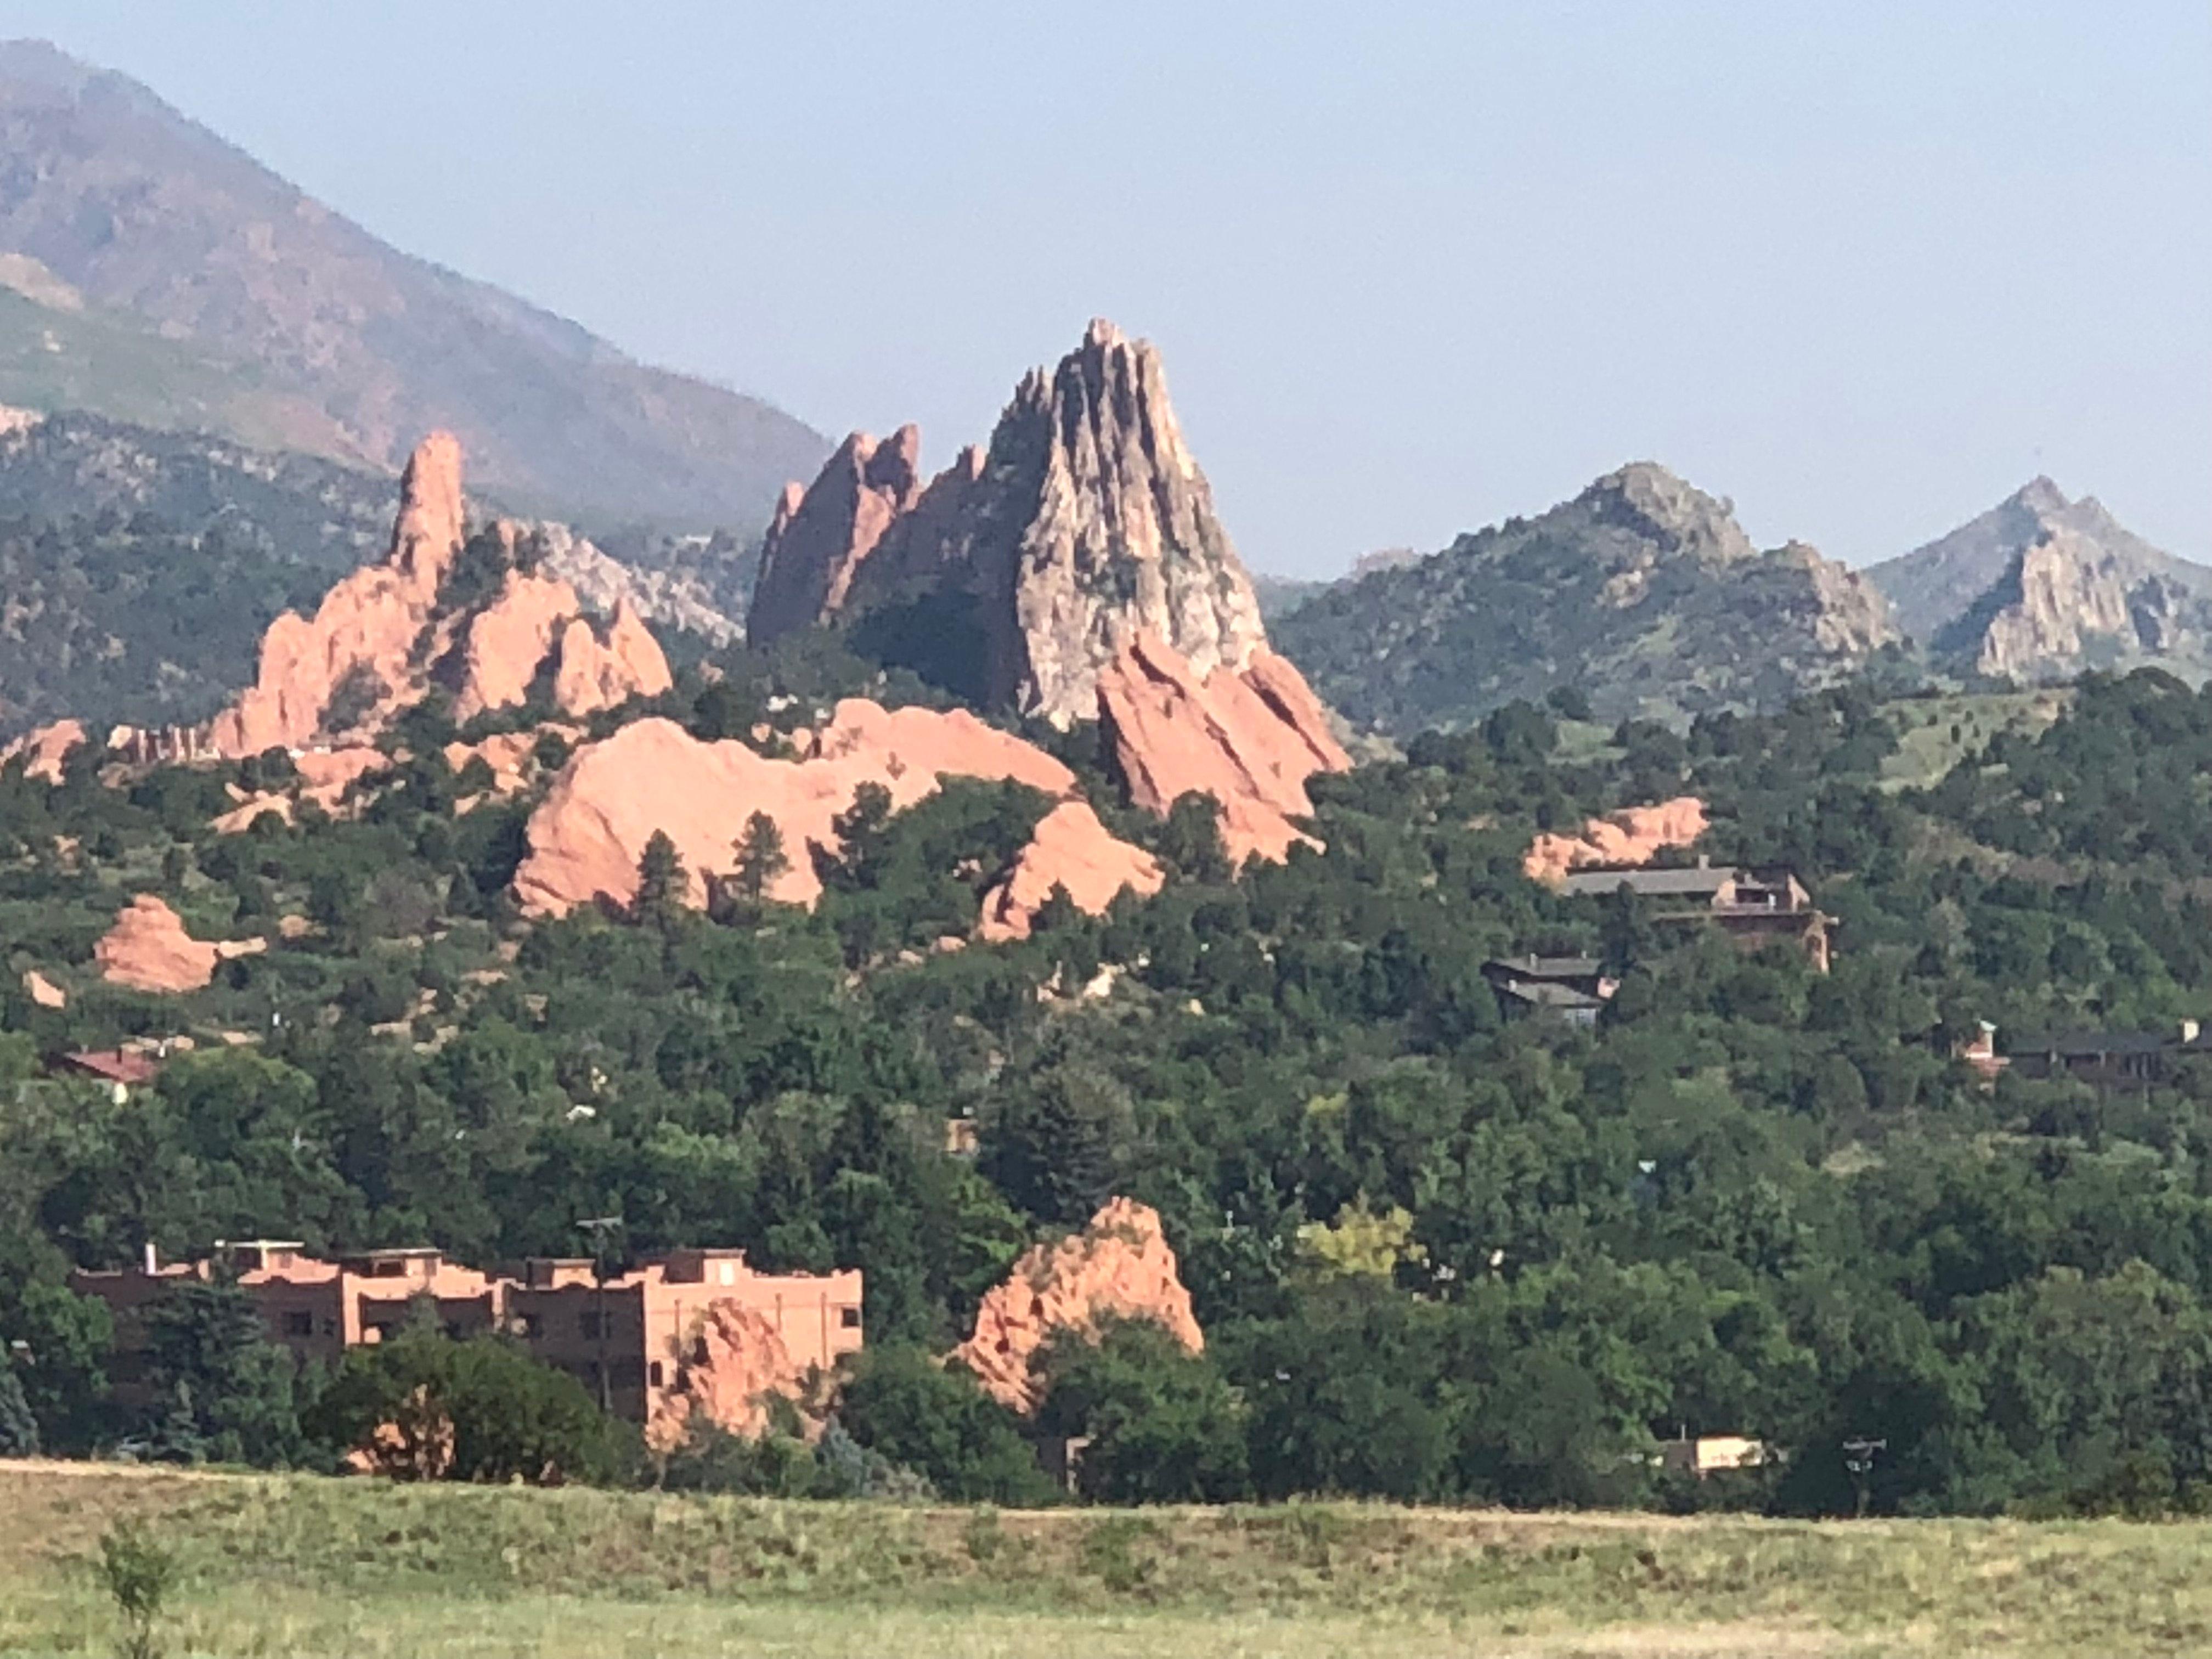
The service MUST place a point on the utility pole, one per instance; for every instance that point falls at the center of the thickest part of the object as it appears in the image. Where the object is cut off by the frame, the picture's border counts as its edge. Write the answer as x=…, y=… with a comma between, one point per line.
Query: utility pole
x=597, y=1230
x=1859, y=1454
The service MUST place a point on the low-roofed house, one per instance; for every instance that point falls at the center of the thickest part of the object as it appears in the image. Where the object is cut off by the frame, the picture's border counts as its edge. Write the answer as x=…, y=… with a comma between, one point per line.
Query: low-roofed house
x=1752, y=907
x=1572, y=988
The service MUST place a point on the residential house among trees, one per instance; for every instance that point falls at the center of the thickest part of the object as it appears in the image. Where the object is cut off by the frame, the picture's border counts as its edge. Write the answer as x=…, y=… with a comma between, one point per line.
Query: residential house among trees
x=1752, y=907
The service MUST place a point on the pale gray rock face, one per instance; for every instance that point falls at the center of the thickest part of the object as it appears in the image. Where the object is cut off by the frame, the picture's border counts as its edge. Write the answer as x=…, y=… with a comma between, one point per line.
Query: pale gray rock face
x=2039, y=588
x=1020, y=569
x=603, y=581
x=1122, y=534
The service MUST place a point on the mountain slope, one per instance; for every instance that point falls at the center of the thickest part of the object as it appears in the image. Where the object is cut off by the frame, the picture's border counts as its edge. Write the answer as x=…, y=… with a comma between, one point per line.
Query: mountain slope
x=2040, y=587
x=118, y=211
x=1642, y=592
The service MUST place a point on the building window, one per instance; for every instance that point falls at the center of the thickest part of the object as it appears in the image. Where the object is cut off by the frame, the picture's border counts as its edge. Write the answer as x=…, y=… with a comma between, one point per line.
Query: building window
x=655, y=1373
x=849, y=1318
x=299, y=1324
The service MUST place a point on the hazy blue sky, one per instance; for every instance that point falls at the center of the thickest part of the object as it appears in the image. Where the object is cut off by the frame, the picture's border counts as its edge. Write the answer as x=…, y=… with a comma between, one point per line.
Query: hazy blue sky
x=1863, y=267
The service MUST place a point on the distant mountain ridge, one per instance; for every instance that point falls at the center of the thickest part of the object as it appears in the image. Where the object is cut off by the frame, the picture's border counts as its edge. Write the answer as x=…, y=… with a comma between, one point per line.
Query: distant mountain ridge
x=155, y=273
x=1643, y=592
x=2041, y=588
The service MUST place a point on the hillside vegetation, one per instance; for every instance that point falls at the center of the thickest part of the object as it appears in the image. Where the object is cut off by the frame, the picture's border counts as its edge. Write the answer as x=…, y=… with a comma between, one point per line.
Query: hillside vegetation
x=296, y=1565
x=1439, y=1255
x=1642, y=594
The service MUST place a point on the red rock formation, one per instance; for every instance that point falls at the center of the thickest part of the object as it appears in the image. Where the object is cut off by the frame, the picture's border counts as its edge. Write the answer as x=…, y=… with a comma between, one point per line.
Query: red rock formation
x=586, y=836
x=147, y=950
x=1249, y=739
x=381, y=636
x=43, y=750
x=504, y=643
x=324, y=776
x=363, y=633
x=1087, y=519
x=728, y=1374
x=819, y=535
x=1071, y=850
x=1119, y=1266
x=595, y=674
x=1630, y=836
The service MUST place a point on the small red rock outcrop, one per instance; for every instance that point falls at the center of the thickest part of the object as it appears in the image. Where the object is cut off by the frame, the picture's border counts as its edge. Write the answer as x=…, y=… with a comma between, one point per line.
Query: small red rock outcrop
x=148, y=950
x=1119, y=1266
x=1072, y=850
x=592, y=673
x=585, y=837
x=1249, y=737
x=1630, y=836
x=733, y=1366
x=43, y=750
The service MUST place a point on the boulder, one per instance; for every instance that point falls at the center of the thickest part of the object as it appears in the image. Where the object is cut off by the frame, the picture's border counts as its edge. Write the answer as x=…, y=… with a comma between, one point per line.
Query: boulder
x=148, y=950
x=1073, y=851
x=1629, y=837
x=42, y=991
x=731, y=1367
x=1249, y=738
x=1119, y=1266
x=588, y=835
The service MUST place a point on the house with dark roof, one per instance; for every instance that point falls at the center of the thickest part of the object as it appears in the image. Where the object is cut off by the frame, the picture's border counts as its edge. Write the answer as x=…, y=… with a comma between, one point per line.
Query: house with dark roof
x=2105, y=1060
x=1752, y=907
x=1572, y=988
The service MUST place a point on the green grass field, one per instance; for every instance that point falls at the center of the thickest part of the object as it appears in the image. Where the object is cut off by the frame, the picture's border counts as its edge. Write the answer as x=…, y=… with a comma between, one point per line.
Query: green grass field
x=299, y=1566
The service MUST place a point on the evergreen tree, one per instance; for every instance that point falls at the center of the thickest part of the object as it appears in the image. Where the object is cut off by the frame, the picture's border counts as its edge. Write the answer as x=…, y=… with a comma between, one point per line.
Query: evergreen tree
x=661, y=884
x=226, y=1389
x=762, y=859
x=19, y=1429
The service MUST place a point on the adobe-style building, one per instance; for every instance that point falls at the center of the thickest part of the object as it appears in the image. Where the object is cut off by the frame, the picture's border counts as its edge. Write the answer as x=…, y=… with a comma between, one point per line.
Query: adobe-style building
x=1752, y=907
x=643, y=1325
x=624, y=1340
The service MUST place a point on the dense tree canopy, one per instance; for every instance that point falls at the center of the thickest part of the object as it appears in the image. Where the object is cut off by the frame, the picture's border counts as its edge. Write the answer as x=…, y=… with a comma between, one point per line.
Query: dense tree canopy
x=1439, y=1253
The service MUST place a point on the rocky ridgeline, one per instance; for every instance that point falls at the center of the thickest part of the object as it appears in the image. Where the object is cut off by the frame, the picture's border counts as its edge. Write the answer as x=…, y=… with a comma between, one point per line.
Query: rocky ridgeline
x=1643, y=592
x=1024, y=568
x=2040, y=587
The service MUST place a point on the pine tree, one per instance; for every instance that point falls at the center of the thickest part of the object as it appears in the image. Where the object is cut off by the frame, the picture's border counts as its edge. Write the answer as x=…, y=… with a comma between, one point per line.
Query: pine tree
x=762, y=859
x=19, y=1429
x=661, y=882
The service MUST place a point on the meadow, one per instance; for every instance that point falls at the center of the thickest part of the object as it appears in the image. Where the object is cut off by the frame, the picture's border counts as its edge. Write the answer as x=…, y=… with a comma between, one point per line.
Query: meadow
x=301, y=1566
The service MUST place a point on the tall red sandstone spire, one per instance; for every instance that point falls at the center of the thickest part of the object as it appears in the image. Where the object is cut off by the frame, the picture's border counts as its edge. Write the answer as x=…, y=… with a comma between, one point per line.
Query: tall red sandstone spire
x=1086, y=521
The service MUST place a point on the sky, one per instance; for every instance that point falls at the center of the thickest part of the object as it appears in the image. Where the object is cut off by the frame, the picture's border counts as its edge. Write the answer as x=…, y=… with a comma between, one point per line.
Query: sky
x=1863, y=269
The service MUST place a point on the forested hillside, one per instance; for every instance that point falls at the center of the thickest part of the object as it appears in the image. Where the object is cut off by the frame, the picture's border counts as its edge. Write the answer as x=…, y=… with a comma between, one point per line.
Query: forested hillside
x=1643, y=594
x=1437, y=1254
